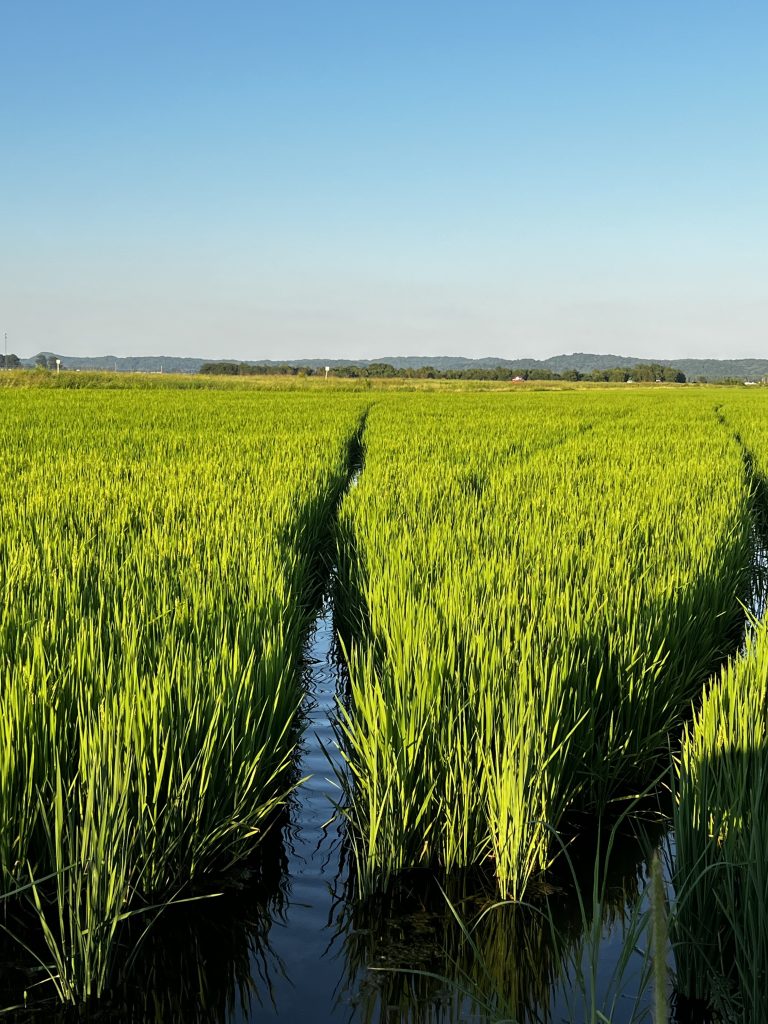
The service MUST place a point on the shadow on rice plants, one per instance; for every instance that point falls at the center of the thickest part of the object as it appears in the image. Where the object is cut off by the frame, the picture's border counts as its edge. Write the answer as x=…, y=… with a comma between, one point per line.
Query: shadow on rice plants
x=197, y=960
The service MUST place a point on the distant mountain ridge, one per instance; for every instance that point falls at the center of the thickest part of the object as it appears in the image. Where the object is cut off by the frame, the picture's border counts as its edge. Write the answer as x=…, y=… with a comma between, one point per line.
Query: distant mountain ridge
x=584, y=362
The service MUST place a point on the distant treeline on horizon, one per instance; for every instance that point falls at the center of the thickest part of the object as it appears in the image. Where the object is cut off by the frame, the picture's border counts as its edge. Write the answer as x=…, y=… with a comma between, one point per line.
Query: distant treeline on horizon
x=640, y=372
x=586, y=366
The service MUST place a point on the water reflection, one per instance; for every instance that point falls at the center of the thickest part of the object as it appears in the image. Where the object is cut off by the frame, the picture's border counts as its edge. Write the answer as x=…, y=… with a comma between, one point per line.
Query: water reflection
x=427, y=951
x=759, y=591
x=446, y=951
x=208, y=962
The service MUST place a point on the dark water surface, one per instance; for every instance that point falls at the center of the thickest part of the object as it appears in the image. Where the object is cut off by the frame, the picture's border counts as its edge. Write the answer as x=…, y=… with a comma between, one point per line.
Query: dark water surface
x=304, y=939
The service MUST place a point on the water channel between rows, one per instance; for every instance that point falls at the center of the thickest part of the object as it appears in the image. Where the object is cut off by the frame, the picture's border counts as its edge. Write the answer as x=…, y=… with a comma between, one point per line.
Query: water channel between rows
x=307, y=984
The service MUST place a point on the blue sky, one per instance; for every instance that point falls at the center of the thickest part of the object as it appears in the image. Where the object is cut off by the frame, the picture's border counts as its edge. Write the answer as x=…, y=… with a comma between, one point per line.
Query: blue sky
x=288, y=179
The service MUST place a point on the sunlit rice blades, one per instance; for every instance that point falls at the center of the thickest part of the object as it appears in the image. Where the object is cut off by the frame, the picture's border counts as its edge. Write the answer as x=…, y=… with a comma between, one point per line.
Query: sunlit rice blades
x=532, y=589
x=536, y=586
x=158, y=560
x=721, y=872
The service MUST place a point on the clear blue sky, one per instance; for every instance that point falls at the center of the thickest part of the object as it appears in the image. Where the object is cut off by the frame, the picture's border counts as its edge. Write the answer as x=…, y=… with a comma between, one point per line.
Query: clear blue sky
x=294, y=178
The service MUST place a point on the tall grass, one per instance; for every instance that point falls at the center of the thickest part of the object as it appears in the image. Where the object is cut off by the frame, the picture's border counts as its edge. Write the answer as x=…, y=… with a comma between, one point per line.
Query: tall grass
x=159, y=554
x=535, y=586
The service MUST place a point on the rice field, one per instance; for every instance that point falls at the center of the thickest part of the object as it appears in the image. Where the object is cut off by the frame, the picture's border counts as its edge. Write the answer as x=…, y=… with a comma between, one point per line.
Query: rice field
x=540, y=602
x=159, y=559
x=721, y=876
x=536, y=593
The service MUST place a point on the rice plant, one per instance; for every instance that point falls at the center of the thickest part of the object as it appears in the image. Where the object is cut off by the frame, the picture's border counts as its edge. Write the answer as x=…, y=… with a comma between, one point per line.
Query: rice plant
x=721, y=877
x=159, y=557
x=535, y=586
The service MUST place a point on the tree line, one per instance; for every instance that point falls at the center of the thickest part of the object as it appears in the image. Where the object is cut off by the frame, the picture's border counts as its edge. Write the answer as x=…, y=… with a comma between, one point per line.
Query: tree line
x=42, y=362
x=641, y=372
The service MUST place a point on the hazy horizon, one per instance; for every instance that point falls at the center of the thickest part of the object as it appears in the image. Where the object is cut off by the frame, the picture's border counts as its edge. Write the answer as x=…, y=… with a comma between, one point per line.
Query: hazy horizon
x=640, y=357
x=250, y=181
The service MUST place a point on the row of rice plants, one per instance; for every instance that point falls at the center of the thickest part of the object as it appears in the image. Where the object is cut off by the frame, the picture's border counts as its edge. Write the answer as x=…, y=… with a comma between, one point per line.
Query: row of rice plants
x=721, y=830
x=158, y=557
x=721, y=872
x=535, y=586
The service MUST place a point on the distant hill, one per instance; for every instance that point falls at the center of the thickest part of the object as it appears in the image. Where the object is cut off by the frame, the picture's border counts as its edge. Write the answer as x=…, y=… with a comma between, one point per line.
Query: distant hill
x=126, y=364
x=584, y=362
x=719, y=369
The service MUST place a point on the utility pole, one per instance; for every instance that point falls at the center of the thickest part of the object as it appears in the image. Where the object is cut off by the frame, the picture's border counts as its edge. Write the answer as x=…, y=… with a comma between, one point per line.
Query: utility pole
x=5, y=360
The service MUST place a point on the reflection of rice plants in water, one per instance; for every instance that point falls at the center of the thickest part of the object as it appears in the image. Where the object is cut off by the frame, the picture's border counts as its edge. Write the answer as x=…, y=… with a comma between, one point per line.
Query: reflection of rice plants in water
x=202, y=961
x=449, y=951
x=211, y=961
